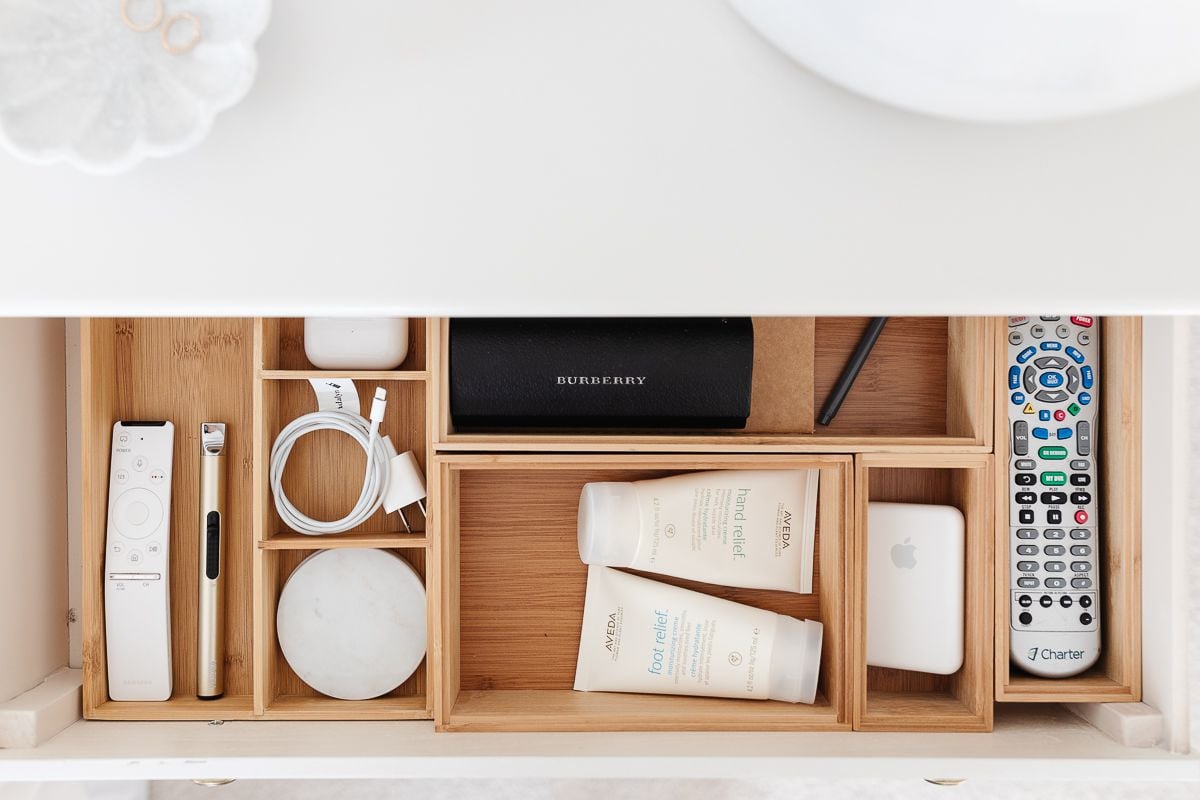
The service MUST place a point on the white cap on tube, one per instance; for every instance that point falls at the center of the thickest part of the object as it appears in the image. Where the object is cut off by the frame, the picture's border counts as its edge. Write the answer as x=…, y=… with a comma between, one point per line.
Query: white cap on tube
x=610, y=524
x=795, y=660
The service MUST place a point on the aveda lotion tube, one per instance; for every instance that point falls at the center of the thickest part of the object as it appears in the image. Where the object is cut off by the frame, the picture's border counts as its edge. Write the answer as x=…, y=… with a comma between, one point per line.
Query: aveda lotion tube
x=738, y=527
x=644, y=636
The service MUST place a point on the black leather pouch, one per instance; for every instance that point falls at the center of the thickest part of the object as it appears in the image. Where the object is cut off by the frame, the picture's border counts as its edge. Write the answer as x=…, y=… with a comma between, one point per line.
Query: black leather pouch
x=601, y=373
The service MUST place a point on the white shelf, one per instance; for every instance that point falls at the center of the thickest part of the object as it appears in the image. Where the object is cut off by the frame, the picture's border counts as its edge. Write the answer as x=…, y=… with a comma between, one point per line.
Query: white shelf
x=625, y=157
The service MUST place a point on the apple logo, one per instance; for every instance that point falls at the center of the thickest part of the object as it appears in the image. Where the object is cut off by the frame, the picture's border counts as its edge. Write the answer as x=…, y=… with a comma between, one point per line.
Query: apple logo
x=903, y=555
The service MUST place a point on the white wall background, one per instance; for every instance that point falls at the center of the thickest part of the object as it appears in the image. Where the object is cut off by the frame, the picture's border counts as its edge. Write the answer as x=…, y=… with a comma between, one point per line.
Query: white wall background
x=33, y=517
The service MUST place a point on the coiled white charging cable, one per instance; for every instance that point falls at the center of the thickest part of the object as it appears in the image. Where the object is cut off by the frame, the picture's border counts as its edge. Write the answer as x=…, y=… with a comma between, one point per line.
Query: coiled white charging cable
x=375, y=481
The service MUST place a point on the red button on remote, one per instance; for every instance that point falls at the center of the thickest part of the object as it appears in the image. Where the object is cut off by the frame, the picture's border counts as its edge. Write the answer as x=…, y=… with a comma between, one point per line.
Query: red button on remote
x=1081, y=517
x=1084, y=321
x=1060, y=415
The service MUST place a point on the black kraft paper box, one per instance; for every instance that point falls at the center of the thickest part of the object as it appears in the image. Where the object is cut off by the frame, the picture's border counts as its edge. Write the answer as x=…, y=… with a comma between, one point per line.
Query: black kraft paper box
x=601, y=373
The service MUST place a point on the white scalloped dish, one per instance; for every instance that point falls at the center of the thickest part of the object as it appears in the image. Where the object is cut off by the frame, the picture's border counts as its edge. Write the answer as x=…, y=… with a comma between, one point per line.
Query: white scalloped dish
x=77, y=84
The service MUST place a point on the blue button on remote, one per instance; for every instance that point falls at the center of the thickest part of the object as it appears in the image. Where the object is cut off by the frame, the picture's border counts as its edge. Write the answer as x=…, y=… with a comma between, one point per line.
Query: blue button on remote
x=1041, y=433
x=1051, y=380
x=1075, y=354
x=1064, y=433
x=1084, y=398
x=1018, y=398
x=1088, y=377
x=1044, y=415
x=1025, y=355
x=1052, y=345
x=1014, y=377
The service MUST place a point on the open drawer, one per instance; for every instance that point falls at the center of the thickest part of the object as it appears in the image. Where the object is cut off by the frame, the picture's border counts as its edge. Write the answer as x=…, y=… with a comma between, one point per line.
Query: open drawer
x=273, y=727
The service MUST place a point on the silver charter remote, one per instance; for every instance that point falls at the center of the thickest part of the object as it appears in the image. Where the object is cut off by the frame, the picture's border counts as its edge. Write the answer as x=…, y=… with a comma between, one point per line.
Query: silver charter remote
x=137, y=550
x=1053, y=404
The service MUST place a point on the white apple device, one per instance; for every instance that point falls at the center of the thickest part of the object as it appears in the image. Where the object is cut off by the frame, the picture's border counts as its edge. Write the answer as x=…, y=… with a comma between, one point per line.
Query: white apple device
x=356, y=343
x=137, y=551
x=915, y=562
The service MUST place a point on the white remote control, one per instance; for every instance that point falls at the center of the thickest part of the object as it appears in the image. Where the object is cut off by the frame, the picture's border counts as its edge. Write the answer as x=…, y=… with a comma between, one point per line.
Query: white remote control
x=1053, y=404
x=137, y=586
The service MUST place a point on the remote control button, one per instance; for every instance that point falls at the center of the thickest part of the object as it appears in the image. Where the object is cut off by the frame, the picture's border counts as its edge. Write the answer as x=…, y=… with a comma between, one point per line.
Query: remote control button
x=1026, y=498
x=1054, y=533
x=1045, y=601
x=1073, y=409
x=1025, y=618
x=1026, y=354
x=157, y=476
x=1021, y=437
x=1063, y=433
x=117, y=549
x=1051, y=380
x=1044, y=415
x=1027, y=549
x=1049, y=362
x=1080, y=464
x=1054, y=498
x=1014, y=377
x=1080, y=498
x=1083, y=430
x=1055, y=550
x=1050, y=346
x=1041, y=433
x=1016, y=322
x=140, y=463
x=1084, y=398
x=1047, y=396
x=1083, y=322
x=1017, y=398
x=122, y=475
x=1059, y=415
x=137, y=513
x=1081, y=550
x=1027, y=566
x=1065, y=601
x=1072, y=380
x=1054, y=516
x=1026, y=463
x=1025, y=479
x=1028, y=409
x=1080, y=533
x=1086, y=600
x=1025, y=601
x=1037, y=331
x=153, y=548
x=1025, y=516
x=1062, y=331
x=1084, y=338
x=1055, y=566
x=1081, y=566
x=1055, y=583
x=1053, y=453
x=1028, y=583
x=1027, y=533
x=1075, y=355
x=1081, y=583
x=1085, y=618
x=1081, y=479
x=123, y=438
x=1029, y=380
x=1014, y=337
x=1049, y=319
x=134, y=557
x=1088, y=376
x=1054, y=478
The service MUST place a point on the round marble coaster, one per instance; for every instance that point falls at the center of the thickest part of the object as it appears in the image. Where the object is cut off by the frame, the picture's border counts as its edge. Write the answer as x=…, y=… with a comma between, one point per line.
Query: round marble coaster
x=352, y=622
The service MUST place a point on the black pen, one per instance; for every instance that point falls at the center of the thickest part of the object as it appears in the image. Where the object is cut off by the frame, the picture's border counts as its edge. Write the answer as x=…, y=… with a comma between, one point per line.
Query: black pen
x=851, y=370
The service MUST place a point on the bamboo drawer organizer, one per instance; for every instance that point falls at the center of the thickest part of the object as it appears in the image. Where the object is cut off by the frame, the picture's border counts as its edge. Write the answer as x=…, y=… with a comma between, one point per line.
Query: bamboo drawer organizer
x=498, y=552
